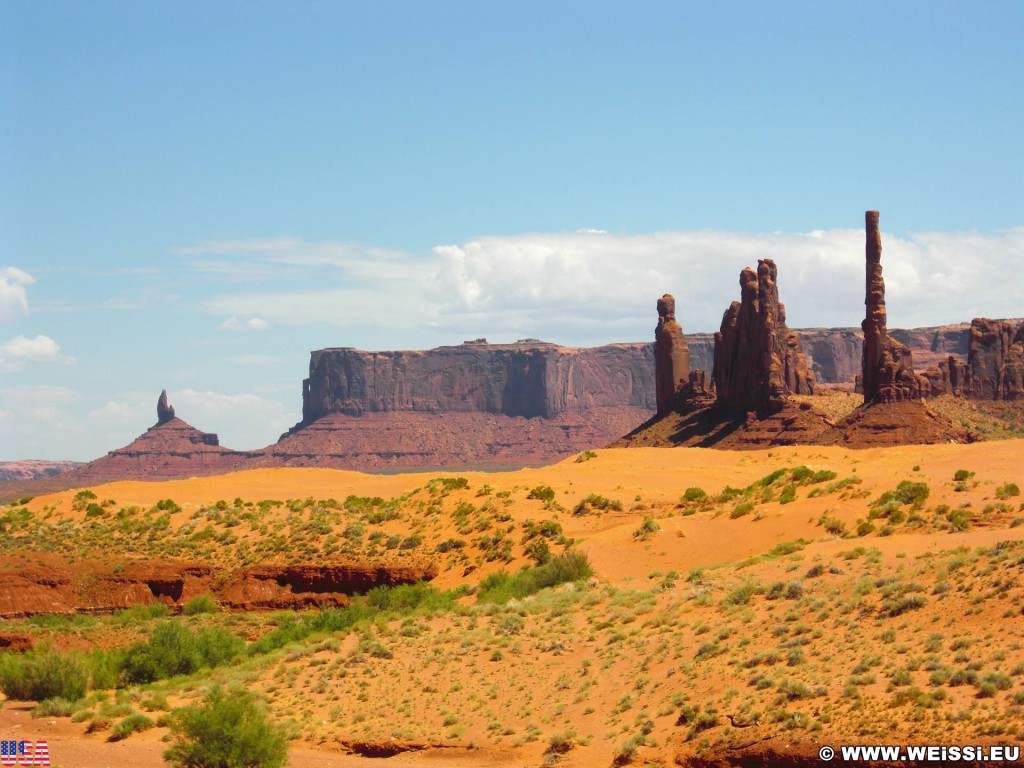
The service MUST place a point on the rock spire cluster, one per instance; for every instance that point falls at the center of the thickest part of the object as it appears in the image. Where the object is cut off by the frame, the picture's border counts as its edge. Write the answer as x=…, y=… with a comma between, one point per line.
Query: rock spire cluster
x=759, y=362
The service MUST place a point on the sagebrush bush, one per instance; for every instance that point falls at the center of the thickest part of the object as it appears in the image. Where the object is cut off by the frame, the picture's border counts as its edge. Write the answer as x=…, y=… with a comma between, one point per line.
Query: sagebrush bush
x=500, y=587
x=128, y=726
x=542, y=492
x=229, y=729
x=174, y=649
x=201, y=604
x=45, y=674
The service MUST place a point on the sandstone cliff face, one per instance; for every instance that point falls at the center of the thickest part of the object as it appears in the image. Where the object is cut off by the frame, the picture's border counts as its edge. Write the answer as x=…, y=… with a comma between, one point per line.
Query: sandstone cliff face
x=49, y=583
x=758, y=360
x=526, y=379
x=995, y=360
x=949, y=377
x=887, y=370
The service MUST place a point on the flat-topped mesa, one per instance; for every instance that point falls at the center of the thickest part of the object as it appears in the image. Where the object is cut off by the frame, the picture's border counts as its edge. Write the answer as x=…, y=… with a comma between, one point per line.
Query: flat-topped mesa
x=759, y=362
x=887, y=366
x=528, y=379
x=995, y=360
x=164, y=410
x=671, y=355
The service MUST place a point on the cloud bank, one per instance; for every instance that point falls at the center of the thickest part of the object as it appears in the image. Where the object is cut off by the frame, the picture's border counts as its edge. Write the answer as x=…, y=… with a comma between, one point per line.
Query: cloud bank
x=591, y=286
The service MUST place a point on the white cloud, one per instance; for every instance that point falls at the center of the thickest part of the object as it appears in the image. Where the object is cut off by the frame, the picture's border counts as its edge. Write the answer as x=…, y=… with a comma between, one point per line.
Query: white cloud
x=250, y=324
x=13, y=298
x=40, y=349
x=242, y=420
x=537, y=282
x=591, y=286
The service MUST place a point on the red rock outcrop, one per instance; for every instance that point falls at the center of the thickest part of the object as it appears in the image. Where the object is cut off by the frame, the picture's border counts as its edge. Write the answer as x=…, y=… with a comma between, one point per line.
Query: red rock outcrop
x=47, y=583
x=671, y=355
x=995, y=360
x=758, y=360
x=949, y=377
x=274, y=587
x=887, y=369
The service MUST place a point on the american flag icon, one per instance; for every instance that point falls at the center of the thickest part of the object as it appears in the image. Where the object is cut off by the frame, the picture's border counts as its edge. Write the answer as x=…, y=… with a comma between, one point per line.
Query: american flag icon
x=24, y=753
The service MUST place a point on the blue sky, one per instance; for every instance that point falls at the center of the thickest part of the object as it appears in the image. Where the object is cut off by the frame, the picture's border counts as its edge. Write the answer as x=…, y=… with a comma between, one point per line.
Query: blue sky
x=193, y=195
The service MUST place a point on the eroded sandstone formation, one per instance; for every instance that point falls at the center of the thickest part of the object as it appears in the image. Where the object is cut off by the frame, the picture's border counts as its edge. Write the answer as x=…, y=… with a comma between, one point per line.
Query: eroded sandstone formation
x=671, y=355
x=887, y=368
x=949, y=377
x=164, y=410
x=170, y=448
x=50, y=583
x=529, y=379
x=995, y=360
x=758, y=360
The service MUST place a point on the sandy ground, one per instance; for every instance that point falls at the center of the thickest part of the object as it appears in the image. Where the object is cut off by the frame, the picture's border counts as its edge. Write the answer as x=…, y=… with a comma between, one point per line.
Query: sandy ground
x=570, y=661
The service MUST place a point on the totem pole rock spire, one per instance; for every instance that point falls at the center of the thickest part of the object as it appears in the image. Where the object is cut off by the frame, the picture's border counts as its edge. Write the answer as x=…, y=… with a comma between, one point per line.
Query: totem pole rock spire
x=164, y=410
x=671, y=355
x=887, y=366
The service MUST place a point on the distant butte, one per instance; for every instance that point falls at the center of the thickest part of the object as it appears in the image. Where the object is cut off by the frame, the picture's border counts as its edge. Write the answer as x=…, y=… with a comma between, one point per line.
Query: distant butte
x=170, y=448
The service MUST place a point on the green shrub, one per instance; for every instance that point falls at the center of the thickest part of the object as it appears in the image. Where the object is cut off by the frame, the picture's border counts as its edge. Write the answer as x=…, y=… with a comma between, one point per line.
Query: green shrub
x=833, y=525
x=173, y=649
x=596, y=501
x=742, y=509
x=128, y=726
x=542, y=492
x=788, y=494
x=962, y=475
x=647, y=529
x=586, y=456
x=445, y=485
x=228, y=730
x=201, y=604
x=54, y=708
x=1007, y=490
x=901, y=605
x=500, y=587
x=694, y=494
x=46, y=674
x=140, y=612
x=539, y=550
x=907, y=492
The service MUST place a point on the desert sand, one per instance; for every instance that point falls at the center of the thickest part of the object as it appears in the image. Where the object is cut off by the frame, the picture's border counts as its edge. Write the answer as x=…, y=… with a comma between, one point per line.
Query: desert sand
x=709, y=633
